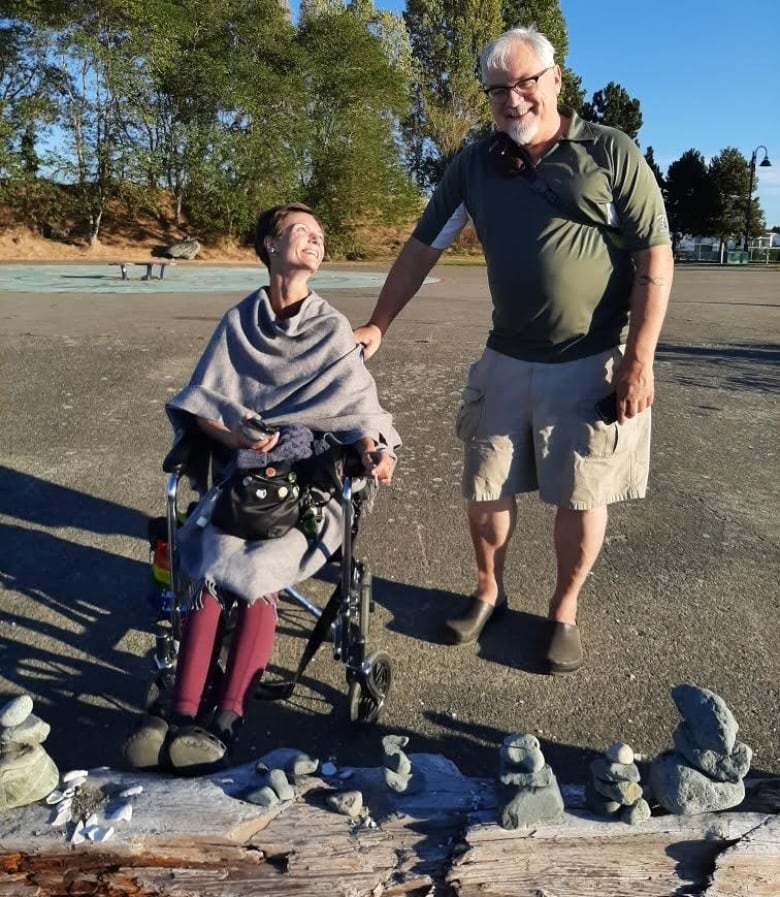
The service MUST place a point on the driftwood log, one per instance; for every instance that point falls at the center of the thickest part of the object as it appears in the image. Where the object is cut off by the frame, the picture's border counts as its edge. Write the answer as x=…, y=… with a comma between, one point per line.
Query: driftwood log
x=192, y=837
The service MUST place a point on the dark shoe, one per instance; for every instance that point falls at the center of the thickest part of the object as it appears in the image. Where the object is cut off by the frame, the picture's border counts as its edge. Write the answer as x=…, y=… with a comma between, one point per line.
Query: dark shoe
x=564, y=654
x=194, y=751
x=145, y=748
x=467, y=627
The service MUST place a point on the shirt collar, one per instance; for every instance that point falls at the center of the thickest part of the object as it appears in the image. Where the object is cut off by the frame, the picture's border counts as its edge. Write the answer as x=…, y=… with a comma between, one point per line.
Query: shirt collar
x=578, y=129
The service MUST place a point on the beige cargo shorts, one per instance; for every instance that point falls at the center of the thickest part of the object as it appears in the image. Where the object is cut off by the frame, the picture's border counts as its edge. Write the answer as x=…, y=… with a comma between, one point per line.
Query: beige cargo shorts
x=529, y=426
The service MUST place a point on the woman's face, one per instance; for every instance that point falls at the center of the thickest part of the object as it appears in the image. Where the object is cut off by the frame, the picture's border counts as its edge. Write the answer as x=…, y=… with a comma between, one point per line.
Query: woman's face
x=301, y=245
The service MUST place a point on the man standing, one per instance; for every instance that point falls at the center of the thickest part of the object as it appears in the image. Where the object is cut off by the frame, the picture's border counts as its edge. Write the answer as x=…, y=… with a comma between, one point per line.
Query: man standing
x=579, y=265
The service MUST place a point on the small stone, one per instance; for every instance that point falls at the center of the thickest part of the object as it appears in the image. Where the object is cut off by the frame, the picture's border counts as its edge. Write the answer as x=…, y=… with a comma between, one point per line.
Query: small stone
x=600, y=805
x=98, y=833
x=329, y=769
x=349, y=803
x=604, y=769
x=75, y=777
x=637, y=813
x=277, y=780
x=522, y=752
x=397, y=781
x=619, y=752
x=626, y=793
x=60, y=816
x=710, y=722
x=686, y=791
x=539, y=779
x=394, y=744
x=15, y=711
x=399, y=763
x=303, y=765
x=32, y=730
x=263, y=797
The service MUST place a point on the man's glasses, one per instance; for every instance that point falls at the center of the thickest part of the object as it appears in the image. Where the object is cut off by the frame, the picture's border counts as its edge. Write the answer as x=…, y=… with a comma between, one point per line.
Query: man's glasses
x=525, y=87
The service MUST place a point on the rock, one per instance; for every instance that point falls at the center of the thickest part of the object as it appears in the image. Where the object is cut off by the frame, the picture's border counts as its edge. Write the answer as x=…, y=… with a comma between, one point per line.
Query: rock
x=722, y=767
x=186, y=249
x=539, y=779
x=15, y=712
x=399, y=763
x=598, y=803
x=26, y=775
x=681, y=789
x=711, y=724
x=532, y=806
x=522, y=752
x=349, y=803
x=277, y=780
x=637, y=813
x=626, y=793
x=263, y=797
x=608, y=771
x=619, y=752
x=32, y=730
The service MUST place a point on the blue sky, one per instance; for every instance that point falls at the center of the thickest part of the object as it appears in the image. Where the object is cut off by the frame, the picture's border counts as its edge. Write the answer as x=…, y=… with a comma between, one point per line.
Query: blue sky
x=707, y=75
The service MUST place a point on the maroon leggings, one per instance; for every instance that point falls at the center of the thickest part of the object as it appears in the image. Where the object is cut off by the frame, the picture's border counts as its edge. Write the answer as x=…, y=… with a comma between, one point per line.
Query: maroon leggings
x=250, y=651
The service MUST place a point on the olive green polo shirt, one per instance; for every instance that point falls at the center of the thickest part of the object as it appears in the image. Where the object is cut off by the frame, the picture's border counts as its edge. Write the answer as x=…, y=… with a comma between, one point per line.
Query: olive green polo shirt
x=560, y=288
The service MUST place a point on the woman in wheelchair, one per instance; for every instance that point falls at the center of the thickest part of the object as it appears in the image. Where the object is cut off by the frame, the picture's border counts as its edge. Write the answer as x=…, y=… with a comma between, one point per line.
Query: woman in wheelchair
x=281, y=379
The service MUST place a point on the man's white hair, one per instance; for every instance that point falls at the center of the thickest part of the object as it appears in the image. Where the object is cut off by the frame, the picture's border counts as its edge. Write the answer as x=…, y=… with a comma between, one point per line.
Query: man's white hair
x=495, y=53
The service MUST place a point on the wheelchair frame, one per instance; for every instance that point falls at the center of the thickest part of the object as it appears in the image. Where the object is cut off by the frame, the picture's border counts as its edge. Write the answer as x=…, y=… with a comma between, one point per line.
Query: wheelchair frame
x=369, y=676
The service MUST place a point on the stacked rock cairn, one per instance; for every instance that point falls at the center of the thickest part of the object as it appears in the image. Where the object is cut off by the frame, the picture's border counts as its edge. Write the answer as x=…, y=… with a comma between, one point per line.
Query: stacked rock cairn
x=529, y=792
x=397, y=767
x=27, y=772
x=614, y=789
x=703, y=773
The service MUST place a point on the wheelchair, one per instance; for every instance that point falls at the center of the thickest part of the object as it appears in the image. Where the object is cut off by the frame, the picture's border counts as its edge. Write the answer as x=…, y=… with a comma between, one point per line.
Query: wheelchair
x=344, y=621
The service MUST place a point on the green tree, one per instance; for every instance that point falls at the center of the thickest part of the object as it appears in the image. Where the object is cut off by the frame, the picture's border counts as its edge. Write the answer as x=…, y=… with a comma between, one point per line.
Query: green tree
x=650, y=159
x=730, y=175
x=352, y=96
x=690, y=196
x=614, y=106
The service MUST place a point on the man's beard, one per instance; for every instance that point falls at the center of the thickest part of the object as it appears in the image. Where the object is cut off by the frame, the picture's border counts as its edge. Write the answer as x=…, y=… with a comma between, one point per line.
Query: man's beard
x=522, y=132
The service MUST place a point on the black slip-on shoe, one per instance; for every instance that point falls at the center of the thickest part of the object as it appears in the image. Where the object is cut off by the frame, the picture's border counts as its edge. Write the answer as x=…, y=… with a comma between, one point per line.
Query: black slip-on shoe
x=467, y=627
x=564, y=653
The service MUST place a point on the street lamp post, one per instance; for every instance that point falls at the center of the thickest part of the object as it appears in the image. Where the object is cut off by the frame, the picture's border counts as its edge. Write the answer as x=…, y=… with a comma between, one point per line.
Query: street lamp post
x=765, y=163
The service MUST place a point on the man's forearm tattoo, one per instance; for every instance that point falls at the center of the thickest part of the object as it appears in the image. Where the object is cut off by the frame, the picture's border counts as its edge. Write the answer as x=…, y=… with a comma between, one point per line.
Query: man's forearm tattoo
x=647, y=280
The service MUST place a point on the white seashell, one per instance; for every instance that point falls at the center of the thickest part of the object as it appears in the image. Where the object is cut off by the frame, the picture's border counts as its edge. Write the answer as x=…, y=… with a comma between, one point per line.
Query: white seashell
x=121, y=813
x=78, y=833
x=75, y=774
x=328, y=769
x=90, y=831
x=227, y=781
x=92, y=821
x=77, y=782
x=102, y=834
x=131, y=791
x=346, y=773
x=69, y=792
x=55, y=797
x=61, y=816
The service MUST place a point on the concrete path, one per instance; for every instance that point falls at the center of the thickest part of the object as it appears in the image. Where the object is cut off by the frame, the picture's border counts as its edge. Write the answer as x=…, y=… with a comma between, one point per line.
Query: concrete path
x=686, y=589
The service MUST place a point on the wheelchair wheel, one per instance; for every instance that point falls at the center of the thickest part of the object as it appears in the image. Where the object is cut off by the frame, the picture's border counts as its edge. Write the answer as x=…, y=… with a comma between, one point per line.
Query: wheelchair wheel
x=368, y=692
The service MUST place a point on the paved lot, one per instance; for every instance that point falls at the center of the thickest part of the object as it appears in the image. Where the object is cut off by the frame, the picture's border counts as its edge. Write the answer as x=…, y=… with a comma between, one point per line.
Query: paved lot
x=686, y=589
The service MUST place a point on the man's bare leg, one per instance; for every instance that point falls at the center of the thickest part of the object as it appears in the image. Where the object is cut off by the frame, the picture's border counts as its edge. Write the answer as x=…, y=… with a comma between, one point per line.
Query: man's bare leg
x=491, y=524
x=578, y=537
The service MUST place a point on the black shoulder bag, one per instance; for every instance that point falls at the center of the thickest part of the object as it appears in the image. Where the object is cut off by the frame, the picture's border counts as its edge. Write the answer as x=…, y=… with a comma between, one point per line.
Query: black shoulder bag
x=513, y=160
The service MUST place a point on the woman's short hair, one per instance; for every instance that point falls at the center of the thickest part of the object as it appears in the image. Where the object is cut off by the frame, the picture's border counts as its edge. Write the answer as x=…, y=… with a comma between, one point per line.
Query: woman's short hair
x=270, y=223
x=495, y=53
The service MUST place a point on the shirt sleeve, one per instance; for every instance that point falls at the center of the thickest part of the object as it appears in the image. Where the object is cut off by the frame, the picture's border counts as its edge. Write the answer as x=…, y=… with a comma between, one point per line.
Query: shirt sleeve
x=638, y=201
x=446, y=215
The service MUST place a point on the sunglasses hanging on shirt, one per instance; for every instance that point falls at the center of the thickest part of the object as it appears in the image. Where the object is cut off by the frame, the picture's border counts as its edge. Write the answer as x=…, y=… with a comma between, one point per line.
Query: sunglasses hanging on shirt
x=509, y=158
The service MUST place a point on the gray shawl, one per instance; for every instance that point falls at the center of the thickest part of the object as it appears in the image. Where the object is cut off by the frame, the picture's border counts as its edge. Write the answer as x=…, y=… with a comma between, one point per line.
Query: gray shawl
x=306, y=370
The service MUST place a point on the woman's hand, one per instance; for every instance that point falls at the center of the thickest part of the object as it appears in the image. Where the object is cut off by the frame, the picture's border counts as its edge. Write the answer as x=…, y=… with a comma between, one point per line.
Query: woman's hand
x=377, y=462
x=242, y=441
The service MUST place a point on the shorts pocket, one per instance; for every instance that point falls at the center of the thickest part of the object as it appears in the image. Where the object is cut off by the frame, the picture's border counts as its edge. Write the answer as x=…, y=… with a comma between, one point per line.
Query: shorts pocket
x=469, y=414
x=595, y=439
